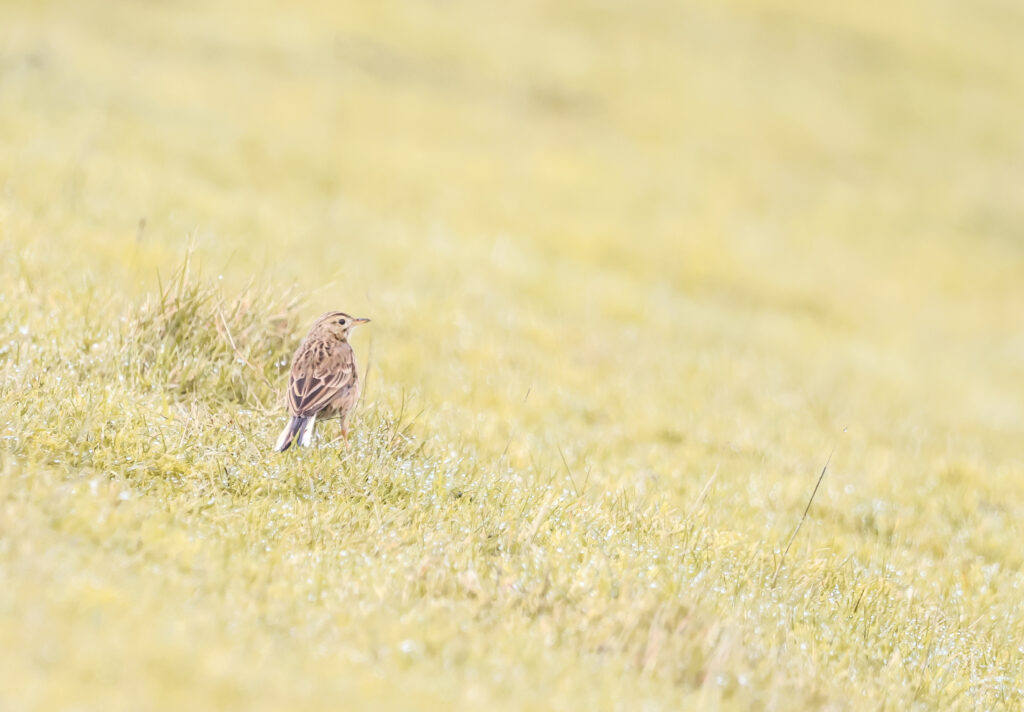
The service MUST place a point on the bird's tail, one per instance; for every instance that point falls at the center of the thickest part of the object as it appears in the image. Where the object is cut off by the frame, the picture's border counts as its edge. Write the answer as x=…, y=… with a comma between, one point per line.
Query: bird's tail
x=301, y=427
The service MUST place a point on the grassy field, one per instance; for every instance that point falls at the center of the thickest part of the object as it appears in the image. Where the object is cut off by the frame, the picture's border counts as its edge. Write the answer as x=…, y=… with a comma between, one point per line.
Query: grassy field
x=634, y=270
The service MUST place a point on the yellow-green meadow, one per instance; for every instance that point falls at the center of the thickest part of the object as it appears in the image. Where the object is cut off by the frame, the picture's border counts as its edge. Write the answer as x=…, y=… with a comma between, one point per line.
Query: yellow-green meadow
x=635, y=270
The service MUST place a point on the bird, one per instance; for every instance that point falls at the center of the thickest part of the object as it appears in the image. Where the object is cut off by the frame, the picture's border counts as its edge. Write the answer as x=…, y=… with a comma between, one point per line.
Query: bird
x=323, y=382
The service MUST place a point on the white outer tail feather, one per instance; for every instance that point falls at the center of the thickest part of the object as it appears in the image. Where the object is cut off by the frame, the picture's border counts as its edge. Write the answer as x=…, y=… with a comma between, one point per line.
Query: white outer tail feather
x=298, y=431
x=283, y=438
x=306, y=436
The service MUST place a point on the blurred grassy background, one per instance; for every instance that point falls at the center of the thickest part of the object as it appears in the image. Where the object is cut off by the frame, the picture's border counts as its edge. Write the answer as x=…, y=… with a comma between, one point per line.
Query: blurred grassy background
x=661, y=240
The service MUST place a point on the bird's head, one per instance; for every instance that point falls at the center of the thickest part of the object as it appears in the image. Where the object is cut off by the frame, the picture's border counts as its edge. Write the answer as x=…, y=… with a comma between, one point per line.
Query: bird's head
x=337, y=324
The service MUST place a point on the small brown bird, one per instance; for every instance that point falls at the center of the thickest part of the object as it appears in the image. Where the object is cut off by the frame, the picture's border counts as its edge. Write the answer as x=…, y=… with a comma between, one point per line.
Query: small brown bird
x=323, y=382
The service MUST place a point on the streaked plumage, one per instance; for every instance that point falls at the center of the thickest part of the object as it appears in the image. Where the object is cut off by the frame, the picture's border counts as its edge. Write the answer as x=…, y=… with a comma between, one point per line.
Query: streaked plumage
x=323, y=381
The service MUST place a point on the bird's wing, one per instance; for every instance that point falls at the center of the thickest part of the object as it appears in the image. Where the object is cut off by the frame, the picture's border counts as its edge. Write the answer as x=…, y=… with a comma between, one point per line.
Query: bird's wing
x=319, y=373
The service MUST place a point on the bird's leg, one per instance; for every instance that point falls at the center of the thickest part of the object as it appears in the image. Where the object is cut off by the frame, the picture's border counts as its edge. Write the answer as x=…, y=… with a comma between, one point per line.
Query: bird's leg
x=344, y=432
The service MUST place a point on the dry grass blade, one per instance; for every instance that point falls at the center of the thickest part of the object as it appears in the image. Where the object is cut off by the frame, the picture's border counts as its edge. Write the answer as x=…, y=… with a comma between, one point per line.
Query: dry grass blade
x=799, y=524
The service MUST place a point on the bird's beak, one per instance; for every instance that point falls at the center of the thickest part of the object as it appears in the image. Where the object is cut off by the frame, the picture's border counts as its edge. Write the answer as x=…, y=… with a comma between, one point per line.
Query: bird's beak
x=360, y=321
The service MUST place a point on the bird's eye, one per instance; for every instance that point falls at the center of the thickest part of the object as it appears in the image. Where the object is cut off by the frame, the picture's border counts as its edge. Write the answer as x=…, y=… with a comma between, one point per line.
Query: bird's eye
x=341, y=321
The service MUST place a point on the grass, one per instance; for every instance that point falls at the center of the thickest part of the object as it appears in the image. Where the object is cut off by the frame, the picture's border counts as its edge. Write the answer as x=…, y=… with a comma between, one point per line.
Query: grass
x=633, y=273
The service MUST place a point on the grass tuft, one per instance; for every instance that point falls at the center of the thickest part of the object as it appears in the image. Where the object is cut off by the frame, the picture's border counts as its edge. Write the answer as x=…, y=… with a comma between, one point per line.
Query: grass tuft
x=190, y=340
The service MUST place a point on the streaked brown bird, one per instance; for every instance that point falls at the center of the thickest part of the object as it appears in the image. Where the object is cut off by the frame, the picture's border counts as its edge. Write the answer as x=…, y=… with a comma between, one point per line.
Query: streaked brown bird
x=323, y=382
